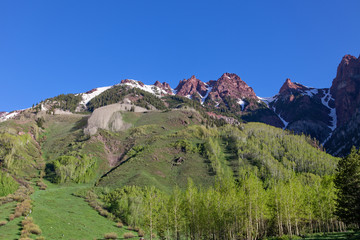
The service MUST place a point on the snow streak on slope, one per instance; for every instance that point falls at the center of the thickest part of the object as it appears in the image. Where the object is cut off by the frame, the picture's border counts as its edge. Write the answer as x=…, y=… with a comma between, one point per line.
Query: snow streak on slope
x=203, y=98
x=283, y=120
x=325, y=101
x=311, y=92
x=269, y=100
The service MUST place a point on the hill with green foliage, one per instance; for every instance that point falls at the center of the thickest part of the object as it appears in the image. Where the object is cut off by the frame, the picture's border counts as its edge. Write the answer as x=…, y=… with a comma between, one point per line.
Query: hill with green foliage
x=168, y=171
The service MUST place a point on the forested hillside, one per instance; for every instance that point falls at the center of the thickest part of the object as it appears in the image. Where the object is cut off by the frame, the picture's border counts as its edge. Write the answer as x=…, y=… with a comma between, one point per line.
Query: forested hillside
x=179, y=174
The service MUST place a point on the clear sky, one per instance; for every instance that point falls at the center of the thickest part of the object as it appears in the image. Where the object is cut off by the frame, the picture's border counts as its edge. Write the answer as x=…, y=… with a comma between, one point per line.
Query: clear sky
x=66, y=46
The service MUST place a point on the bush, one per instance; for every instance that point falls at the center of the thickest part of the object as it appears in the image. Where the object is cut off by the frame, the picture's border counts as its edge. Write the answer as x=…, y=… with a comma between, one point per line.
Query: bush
x=11, y=217
x=119, y=224
x=34, y=229
x=141, y=233
x=128, y=235
x=7, y=184
x=2, y=223
x=41, y=185
x=111, y=235
x=79, y=168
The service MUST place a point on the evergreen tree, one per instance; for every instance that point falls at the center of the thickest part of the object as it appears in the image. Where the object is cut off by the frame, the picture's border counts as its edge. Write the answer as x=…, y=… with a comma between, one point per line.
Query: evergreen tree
x=347, y=182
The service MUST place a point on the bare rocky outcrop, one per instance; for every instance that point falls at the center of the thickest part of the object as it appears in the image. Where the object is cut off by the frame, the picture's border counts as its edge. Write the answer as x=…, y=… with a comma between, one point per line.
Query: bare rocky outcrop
x=289, y=87
x=164, y=86
x=230, y=85
x=109, y=117
x=188, y=87
x=346, y=88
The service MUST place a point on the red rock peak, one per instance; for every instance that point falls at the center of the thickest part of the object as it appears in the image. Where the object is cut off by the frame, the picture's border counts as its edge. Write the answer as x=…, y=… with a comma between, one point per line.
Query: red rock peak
x=345, y=88
x=190, y=86
x=164, y=86
x=230, y=84
x=289, y=86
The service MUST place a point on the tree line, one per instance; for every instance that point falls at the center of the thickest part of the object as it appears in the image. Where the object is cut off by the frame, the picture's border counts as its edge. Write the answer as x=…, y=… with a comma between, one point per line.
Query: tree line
x=235, y=208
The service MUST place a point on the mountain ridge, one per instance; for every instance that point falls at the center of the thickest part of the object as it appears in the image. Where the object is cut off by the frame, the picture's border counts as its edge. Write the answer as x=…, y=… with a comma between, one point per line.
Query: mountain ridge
x=314, y=111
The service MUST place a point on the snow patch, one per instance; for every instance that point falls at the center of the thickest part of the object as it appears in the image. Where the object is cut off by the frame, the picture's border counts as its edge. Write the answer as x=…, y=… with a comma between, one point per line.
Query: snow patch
x=86, y=97
x=268, y=100
x=325, y=101
x=147, y=88
x=242, y=104
x=311, y=92
x=6, y=116
x=203, y=98
x=283, y=120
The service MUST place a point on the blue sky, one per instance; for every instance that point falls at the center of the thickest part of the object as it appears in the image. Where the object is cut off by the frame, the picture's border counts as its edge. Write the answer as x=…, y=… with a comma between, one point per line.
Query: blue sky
x=53, y=47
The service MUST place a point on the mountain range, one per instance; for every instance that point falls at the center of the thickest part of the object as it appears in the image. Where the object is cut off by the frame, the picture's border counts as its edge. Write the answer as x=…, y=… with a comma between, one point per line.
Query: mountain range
x=330, y=115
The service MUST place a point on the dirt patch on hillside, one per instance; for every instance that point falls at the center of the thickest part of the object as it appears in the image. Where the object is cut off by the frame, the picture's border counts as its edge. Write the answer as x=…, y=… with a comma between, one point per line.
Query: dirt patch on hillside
x=109, y=117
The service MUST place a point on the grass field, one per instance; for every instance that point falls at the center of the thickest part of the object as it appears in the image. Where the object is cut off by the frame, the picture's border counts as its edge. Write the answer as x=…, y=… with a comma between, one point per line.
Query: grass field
x=61, y=215
x=333, y=236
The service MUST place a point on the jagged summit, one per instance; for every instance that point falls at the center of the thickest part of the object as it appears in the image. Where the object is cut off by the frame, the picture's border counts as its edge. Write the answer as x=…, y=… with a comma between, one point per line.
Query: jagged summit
x=231, y=85
x=164, y=86
x=290, y=86
x=188, y=87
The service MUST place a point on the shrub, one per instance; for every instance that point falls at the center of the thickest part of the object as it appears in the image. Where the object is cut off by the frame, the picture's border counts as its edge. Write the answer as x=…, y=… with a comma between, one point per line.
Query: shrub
x=141, y=233
x=11, y=217
x=119, y=224
x=35, y=229
x=41, y=185
x=27, y=221
x=40, y=238
x=111, y=235
x=79, y=168
x=7, y=184
x=128, y=235
x=2, y=223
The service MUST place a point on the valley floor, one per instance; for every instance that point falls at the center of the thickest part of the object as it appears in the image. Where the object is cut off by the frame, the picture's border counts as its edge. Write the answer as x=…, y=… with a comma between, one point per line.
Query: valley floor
x=335, y=236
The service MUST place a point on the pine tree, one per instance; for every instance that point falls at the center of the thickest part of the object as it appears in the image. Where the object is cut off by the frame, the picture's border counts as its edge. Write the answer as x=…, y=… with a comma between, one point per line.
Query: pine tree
x=347, y=182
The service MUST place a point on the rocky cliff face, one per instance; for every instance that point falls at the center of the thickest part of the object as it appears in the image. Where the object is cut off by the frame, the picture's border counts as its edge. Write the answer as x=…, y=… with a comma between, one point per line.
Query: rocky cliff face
x=190, y=87
x=164, y=86
x=303, y=109
x=346, y=88
x=230, y=85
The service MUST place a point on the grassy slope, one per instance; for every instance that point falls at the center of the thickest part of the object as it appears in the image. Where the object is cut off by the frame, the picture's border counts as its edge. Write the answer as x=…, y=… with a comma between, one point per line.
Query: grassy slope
x=154, y=165
x=61, y=215
x=12, y=229
x=60, y=131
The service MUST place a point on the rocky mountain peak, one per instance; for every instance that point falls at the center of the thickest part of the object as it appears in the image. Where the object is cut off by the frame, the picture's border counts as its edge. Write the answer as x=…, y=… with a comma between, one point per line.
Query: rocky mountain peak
x=290, y=87
x=188, y=87
x=346, y=88
x=164, y=86
x=131, y=81
x=230, y=84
